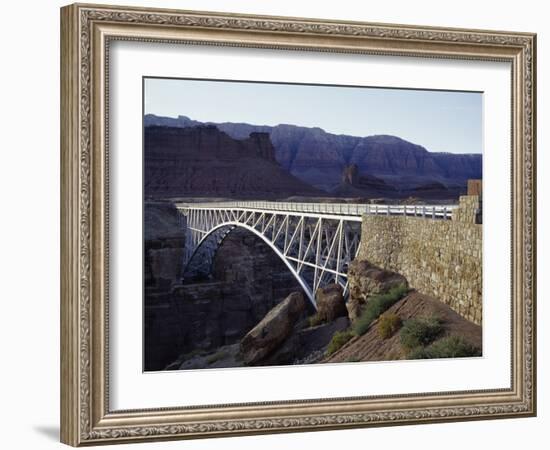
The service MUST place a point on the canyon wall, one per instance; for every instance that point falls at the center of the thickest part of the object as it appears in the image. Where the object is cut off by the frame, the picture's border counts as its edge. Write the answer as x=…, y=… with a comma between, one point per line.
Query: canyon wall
x=163, y=245
x=248, y=279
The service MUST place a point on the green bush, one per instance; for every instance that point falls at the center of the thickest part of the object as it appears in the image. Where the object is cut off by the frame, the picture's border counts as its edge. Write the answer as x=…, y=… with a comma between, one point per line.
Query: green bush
x=388, y=324
x=338, y=340
x=447, y=347
x=420, y=332
x=376, y=305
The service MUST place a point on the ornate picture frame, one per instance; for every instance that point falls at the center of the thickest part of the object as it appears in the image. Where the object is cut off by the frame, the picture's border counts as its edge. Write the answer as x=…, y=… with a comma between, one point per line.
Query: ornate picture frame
x=87, y=31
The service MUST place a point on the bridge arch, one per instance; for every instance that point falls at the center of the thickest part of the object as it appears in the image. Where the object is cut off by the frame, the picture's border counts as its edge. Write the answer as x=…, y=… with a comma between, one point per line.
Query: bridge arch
x=216, y=235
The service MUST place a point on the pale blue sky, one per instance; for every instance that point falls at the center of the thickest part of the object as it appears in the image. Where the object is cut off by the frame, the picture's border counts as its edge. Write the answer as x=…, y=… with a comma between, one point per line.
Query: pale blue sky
x=441, y=121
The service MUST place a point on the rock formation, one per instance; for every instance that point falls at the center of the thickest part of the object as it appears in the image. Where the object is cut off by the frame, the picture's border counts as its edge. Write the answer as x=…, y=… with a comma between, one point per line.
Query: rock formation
x=350, y=175
x=305, y=345
x=273, y=329
x=356, y=184
x=203, y=161
x=318, y=158
x=302, y=346
x=248, y=280
x=330, y=302
x=164, y=241
x=366, y=280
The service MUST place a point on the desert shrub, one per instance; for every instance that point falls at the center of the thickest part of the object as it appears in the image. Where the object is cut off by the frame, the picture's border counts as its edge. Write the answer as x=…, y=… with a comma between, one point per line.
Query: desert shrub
x=376, y=305
x=315, y=320
x=338, y=340
x=388, y=324
x=447, y=347
x=419, y=332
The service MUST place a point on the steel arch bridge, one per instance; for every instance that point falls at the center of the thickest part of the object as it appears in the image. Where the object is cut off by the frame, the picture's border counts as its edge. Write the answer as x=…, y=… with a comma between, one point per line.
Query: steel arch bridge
x=316, y=241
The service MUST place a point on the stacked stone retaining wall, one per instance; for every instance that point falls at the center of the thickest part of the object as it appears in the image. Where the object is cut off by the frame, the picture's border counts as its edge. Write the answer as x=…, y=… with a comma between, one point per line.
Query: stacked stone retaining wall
x=442, y=258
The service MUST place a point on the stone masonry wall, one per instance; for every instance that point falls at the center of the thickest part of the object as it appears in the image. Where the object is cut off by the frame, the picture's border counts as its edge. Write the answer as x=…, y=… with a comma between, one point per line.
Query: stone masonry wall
x=469, y=210
x=442, y=258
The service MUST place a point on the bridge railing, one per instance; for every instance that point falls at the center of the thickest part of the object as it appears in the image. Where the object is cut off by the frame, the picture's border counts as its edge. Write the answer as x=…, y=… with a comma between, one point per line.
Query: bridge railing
x=348, y=209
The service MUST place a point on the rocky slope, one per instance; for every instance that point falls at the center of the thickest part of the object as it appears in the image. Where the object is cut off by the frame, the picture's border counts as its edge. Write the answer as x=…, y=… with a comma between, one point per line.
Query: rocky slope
x=372, y=347
x=283, y=337
x=318, y=158
x=226, y=331
x=204, y=161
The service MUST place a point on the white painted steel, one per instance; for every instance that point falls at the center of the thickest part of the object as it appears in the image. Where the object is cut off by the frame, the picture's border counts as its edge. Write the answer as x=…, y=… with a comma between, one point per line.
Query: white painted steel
x=342, y=209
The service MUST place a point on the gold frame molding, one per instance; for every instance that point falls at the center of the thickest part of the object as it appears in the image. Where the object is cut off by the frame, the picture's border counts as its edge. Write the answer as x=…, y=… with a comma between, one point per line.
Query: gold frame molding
x=86, y=31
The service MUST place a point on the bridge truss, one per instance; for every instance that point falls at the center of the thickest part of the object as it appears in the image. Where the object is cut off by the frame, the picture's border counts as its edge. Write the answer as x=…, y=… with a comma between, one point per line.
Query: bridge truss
x=316, y=248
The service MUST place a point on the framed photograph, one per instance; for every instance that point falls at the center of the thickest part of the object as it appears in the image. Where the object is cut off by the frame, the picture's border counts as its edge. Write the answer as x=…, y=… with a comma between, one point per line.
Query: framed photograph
x=276, y=224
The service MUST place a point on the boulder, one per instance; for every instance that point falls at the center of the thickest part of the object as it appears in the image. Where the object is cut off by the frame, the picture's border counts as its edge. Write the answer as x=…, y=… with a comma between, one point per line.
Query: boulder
x=285, y=353
x=305, y=345
x=330, y=302
x=273, y=329
x=365, y=280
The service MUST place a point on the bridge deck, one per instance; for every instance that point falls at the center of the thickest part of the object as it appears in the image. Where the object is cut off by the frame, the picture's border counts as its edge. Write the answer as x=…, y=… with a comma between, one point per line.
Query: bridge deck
x=346, y=211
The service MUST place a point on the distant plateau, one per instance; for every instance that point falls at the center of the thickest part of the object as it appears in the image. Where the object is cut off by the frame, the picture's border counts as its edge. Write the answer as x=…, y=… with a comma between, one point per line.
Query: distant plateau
x=184, y=157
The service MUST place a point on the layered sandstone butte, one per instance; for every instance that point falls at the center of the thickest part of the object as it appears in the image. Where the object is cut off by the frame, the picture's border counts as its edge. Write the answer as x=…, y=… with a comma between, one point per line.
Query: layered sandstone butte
x=204, y=161
x=356, y=184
